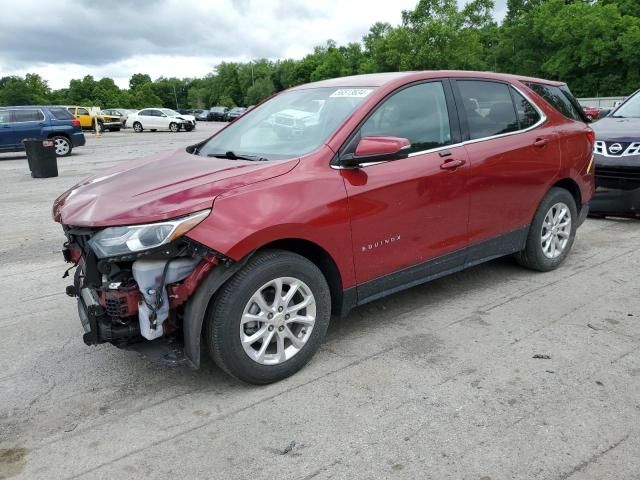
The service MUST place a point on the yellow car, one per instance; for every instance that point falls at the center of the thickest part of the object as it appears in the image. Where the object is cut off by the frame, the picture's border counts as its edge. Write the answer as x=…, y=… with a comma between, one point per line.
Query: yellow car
x=88, y=118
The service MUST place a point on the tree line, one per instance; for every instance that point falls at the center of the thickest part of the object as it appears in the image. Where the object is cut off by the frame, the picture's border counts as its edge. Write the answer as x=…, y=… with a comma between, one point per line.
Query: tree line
x=593, y=45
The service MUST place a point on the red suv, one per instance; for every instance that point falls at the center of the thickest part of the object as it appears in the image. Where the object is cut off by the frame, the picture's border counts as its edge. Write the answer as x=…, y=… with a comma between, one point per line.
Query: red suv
x=327, y=196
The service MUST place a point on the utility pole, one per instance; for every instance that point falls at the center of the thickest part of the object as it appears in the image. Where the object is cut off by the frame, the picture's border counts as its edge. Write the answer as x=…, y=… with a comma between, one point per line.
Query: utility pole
x=175, y=95
x=253, y=81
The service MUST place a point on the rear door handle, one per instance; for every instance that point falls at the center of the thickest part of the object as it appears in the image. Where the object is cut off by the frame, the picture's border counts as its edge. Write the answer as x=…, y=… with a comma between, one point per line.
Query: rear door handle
x=540, y=142
x=452, y=164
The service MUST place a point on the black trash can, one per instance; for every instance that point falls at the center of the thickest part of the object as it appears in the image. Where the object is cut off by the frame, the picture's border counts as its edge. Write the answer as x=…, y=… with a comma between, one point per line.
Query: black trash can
x=41, y=156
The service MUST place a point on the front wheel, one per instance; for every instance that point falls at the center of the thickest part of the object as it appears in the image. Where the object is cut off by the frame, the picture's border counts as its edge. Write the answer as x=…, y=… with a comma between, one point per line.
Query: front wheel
x=62, y=145
x=270, y=318
x=174, y=127
x=551, y=233
x=137, y=127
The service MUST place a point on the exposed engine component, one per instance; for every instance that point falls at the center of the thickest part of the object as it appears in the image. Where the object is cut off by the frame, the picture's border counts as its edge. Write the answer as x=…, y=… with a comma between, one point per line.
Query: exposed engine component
x=152, y=277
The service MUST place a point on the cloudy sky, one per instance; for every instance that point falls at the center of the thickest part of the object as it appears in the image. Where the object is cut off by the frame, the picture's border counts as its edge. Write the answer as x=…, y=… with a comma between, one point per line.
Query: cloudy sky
x=69, y=39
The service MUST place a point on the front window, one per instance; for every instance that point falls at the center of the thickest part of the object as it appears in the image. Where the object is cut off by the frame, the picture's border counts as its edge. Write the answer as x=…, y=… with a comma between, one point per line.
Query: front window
x=418, y=113
x=289, y=125
x=629, y=109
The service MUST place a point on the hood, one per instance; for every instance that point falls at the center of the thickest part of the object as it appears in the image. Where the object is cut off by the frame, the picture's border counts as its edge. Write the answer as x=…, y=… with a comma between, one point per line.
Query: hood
x=617, y=129
x=158, y=187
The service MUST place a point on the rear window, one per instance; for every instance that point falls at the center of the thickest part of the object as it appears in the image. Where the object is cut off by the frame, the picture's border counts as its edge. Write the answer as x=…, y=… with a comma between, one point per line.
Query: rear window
x=560, y=99
x=60, y=113
x=489, y=108
x=27, y=115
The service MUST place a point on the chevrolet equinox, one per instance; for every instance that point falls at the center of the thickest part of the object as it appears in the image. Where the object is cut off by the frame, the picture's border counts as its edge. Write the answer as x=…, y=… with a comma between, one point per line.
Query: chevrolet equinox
x=324, y=197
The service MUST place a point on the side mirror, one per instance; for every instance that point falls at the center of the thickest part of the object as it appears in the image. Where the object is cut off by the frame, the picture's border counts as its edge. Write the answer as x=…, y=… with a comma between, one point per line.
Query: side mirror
x=377, y=149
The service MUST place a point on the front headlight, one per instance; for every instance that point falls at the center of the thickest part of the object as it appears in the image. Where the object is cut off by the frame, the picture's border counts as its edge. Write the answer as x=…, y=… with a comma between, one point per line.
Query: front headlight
x=115, y=241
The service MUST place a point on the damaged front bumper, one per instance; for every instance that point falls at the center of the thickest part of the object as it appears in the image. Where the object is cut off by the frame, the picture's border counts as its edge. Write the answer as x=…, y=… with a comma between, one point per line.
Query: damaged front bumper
x=138, y=302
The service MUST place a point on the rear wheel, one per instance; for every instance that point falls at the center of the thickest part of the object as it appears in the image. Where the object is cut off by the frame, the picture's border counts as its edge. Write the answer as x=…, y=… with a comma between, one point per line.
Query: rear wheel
x=270, y=318
x=62, y=145
x=174, y=127
x=137, y=127
x=100, y=127
x=551, y=233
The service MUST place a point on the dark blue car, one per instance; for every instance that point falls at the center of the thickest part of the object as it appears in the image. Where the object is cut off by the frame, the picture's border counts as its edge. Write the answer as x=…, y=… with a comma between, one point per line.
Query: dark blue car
x=41, y=122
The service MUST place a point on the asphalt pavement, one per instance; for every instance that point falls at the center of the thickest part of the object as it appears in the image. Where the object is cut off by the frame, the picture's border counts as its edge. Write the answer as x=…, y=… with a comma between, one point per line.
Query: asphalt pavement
x=437, y=382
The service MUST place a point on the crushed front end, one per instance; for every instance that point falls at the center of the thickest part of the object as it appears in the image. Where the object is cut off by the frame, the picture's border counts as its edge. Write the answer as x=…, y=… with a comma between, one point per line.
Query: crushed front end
x=132, y=283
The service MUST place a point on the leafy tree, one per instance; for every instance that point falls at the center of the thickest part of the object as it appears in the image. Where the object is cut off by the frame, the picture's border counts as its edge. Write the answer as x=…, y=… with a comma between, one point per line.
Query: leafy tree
x=137, y=80
x=258, y=92
x=28, y=91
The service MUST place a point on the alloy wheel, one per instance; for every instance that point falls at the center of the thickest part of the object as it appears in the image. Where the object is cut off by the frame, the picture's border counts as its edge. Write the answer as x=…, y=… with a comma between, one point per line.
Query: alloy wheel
x=277, y=321
x=556, y=230
x=62, y=146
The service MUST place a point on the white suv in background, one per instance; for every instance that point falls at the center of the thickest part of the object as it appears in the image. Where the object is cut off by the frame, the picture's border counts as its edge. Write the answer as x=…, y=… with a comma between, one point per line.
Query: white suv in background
x=161, y=119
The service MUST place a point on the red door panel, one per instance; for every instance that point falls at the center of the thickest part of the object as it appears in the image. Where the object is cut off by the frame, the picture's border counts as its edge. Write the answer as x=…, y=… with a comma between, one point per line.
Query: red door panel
x=407, y=211
x=508, y=178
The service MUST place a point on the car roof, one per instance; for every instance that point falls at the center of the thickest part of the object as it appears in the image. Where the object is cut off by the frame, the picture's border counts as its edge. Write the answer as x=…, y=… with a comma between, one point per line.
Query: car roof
x=27, y=106
x=380, y=79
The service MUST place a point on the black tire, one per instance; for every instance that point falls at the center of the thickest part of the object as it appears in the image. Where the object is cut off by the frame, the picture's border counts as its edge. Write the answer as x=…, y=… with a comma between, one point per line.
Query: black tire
x=188, y=128
x=100, y=127
x=222, y=326
x=62, y=145
x=137, y=127
x=174, y=127
x=533, y=255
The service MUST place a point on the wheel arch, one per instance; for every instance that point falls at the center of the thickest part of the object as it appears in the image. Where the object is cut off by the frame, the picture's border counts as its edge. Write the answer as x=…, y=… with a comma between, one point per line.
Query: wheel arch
x=200, y=302
x=572, y=187
x=60, y=134
x=320, y=258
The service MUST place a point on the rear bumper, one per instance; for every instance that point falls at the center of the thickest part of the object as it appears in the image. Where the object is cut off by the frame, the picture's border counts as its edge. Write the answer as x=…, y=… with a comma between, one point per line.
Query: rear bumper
x=78, y=139
x=618, y=203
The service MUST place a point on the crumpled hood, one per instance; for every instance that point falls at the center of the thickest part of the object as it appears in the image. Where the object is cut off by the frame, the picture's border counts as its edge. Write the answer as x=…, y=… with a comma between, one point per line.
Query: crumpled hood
x=158, y=187
x=617, y=129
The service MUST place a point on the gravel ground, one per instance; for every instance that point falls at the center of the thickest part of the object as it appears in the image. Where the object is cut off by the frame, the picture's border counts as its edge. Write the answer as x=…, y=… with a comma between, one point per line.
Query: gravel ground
x=437, y=382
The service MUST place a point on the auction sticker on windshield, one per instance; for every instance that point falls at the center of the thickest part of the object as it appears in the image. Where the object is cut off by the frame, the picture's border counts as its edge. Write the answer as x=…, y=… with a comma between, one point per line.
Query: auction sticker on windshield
x=352, y=92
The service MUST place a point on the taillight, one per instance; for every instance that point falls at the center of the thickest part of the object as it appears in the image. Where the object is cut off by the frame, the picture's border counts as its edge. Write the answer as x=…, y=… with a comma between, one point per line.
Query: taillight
x=75, y=123
x=591, y=137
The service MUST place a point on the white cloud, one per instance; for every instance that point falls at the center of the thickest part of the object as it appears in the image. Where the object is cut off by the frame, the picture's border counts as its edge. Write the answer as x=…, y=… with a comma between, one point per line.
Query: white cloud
x=181, y=38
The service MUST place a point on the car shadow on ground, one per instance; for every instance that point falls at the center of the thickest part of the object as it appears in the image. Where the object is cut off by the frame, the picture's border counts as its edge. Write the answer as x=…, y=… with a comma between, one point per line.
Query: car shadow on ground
x=376, y=315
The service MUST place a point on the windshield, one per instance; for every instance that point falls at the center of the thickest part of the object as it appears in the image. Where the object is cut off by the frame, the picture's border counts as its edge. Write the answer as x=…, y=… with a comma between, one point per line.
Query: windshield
x=630, y=108
x=289, y=125
x=169, y=113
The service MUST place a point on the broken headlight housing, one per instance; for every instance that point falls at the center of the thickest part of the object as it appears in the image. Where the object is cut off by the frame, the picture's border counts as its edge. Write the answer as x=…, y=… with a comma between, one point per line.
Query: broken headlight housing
x=116, y=241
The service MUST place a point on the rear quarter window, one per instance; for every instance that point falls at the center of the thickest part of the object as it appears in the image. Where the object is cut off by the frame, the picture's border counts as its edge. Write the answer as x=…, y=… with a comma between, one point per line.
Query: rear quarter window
x=560, y=99
x=60, y=113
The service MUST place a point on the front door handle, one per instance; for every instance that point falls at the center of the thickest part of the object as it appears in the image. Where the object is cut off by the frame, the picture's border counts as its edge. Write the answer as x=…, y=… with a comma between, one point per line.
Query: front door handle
x=452, y=164
x=540, y=142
